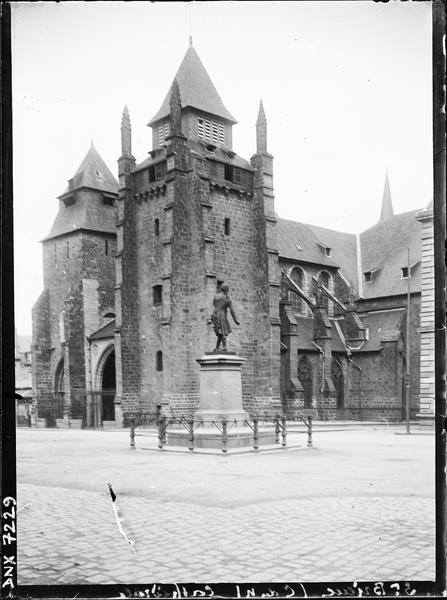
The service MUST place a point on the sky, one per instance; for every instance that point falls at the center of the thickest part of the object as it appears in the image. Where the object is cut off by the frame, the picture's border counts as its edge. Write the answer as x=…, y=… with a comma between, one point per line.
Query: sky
x=346, y=88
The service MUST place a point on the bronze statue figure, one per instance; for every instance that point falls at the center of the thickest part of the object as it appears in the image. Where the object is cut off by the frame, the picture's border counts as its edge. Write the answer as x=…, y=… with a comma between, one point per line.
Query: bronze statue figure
x=219, y=318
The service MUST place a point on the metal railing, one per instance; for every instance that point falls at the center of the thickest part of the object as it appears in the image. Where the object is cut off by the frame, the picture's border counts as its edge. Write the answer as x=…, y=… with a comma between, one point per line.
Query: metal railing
x=160, y=424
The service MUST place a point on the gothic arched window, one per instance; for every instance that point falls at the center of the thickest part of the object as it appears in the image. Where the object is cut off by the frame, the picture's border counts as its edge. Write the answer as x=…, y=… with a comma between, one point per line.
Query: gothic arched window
x=306, y=380
x=325, y=279
x=59, y=378
x=296, y=301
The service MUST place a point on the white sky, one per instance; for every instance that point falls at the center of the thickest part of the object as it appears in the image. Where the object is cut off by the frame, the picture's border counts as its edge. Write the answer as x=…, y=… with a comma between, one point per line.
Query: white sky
x=346, y=88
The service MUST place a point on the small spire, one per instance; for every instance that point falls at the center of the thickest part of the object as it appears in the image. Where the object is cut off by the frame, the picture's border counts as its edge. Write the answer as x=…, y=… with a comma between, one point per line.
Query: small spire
x=387, y=203
x=190, y=40
x=176, y=108
x=126, y=133
x=126, y=114
x=92, y=145
x=261, y=130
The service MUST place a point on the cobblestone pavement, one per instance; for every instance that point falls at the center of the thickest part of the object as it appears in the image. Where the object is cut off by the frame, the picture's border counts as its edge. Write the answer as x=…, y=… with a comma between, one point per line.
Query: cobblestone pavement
x=69, y=534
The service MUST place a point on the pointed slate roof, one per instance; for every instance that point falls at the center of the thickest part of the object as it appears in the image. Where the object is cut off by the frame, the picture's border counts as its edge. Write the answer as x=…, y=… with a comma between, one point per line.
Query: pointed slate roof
x=196, y=90
x=384, y=249
x=387, y=203
x=87, y=212
x=93, y=173
x=299, y=241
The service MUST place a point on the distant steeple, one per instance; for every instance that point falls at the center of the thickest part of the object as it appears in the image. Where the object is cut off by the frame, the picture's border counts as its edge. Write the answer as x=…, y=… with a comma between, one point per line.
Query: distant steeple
x=175, y=106
x=261, y=130
x=126, y=134
x=387, y=203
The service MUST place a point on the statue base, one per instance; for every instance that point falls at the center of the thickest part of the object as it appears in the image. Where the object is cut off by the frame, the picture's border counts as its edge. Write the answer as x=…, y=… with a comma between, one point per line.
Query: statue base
x=211, y=438
x=220, y=398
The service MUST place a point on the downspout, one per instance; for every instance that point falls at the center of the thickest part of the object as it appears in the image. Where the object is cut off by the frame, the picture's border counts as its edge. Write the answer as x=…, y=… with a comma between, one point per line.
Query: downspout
x=350, y=361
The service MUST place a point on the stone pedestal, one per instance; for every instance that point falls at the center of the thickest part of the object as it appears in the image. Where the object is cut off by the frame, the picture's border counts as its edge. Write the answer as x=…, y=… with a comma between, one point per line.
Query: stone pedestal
x=220, y=388
x=220, y=399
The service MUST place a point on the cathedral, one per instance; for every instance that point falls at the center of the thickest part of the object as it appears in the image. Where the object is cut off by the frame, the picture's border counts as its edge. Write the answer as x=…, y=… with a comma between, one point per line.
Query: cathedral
x=334, y=323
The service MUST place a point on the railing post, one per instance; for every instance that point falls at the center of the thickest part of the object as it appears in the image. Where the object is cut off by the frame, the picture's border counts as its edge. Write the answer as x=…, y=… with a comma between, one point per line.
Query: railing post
x=309, y=432
x=161, y=432
x=191, y=434
x=277, y=429
x=224, y=434
x=132, y=434
x=283, y=432
x=255, y=433
x=165, y=427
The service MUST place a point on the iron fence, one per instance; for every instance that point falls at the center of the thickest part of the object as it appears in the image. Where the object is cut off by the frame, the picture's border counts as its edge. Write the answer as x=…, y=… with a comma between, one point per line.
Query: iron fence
x=160, y=424
x=50, y=407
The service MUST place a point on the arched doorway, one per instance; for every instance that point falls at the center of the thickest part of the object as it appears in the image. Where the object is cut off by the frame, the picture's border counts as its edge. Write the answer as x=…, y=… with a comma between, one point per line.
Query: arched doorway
x=108, y=388
x=306, y=380
x=339, y=383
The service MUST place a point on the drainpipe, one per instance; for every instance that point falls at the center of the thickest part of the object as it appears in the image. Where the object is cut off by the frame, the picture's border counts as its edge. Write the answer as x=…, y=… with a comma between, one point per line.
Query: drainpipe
x=351, y=362
x=322, y=357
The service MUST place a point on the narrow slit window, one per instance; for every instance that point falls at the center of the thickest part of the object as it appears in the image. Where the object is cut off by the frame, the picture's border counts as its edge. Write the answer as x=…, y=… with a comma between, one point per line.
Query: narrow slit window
x=227, y=226
x=159, y=361
x=68, y=249
x=106, y=247
x=157, y=295
x=157, y=227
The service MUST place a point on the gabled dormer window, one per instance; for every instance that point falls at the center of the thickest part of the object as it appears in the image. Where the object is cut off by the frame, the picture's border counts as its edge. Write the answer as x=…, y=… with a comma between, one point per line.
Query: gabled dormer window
x=108, y=200
x=325, y=249
x=404, y=270
x=368, y=276
x=69, y=200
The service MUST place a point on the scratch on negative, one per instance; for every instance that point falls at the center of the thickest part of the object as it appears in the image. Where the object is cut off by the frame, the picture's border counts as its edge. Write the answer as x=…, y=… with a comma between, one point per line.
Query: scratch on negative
x=118, y=520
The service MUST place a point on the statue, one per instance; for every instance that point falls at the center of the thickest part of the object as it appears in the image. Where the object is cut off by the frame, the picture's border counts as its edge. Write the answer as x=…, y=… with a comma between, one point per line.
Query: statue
x=219, y=318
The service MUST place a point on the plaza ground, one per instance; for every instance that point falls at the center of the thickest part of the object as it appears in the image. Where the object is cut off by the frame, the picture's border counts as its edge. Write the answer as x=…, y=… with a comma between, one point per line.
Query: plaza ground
x=358, y=505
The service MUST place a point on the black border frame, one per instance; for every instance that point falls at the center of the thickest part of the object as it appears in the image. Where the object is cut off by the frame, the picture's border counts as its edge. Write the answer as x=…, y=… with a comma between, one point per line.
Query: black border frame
x=228, y=590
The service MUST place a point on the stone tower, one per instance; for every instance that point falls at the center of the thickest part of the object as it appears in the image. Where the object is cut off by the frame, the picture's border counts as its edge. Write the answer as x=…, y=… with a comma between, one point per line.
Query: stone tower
x=78, y=258
x=192, y=215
